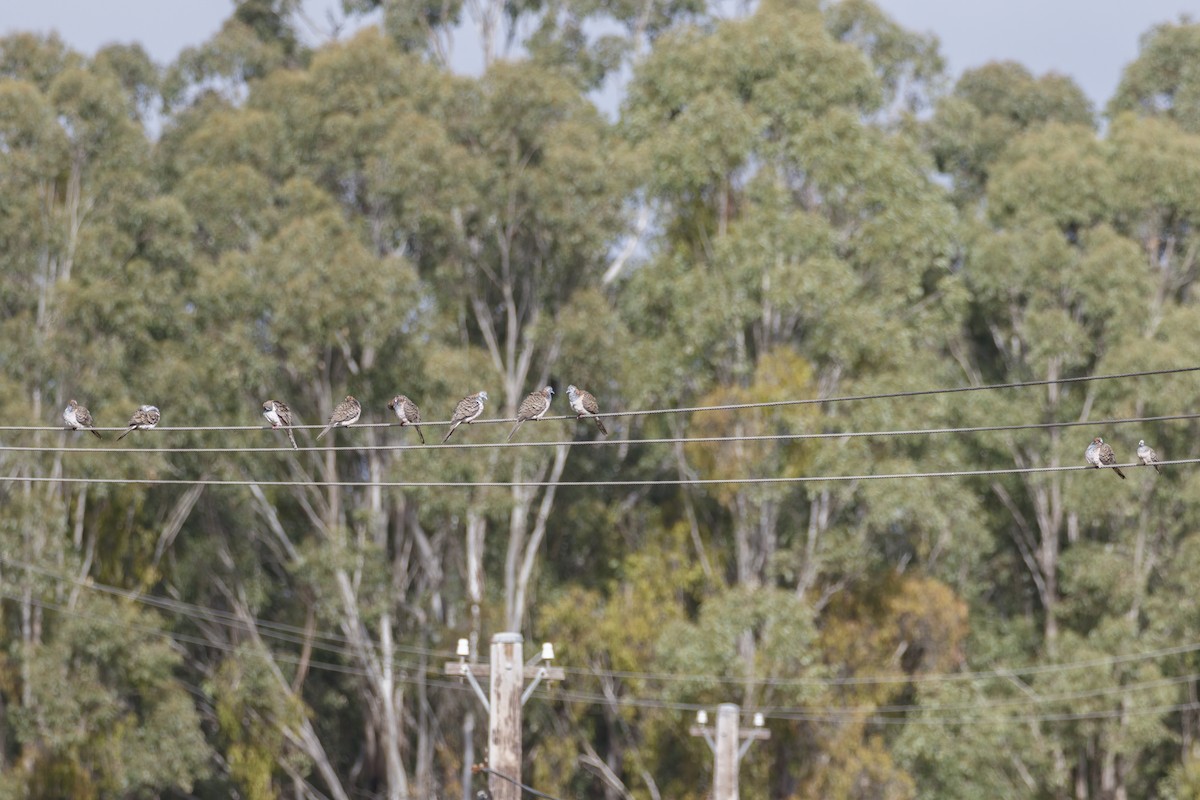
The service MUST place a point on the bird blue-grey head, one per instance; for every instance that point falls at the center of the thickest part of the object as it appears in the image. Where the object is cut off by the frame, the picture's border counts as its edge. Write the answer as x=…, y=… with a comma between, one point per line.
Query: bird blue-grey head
x=549, y=390
x=483, y=395
x=1141, y=442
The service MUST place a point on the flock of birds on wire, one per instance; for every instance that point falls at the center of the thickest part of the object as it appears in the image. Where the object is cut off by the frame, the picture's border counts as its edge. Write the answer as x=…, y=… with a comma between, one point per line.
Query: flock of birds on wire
x=1098, y=454
x=347, y=412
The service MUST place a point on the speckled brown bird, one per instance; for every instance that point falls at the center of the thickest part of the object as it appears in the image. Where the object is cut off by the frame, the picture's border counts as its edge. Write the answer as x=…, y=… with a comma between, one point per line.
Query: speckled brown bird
x=143, y=419
x=1099, y=454
x=407, y=412
x=280, y=416
x=534, y=406
x=344, y=413
x=467, y=411
x=79, y=418
x=1147, y=456
x=584, y=405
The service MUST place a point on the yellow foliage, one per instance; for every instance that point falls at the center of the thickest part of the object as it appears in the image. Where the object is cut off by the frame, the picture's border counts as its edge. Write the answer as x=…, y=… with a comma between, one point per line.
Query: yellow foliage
x=900, y=624
x=781, y=373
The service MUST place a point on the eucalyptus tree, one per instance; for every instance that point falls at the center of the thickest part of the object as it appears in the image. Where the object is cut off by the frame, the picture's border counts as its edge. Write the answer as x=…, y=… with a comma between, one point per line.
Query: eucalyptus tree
x=1159, y=82
x=371, y=224
x=92, y=693
x=987, y=108
x=804, y=252
x=1073, y=266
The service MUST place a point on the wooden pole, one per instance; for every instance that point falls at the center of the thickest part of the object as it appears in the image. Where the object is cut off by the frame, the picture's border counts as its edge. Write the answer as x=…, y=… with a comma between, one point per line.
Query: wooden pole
x=725, y=774
x=504, y=721
x=729, y=742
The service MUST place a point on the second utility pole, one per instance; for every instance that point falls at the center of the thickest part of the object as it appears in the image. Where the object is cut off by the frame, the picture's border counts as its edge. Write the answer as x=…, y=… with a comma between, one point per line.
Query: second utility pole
x=728, y=747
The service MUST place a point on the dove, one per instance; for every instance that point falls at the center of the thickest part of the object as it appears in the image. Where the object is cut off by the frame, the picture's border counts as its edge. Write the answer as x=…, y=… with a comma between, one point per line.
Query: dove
x=407, y=412
x=1099, y=454
x=534, y=406
x=584, y=404
x=1147, y=456
x=344, y=413
x=280, y=416
x=143, y=419
x=79, y=418
x=467, y=410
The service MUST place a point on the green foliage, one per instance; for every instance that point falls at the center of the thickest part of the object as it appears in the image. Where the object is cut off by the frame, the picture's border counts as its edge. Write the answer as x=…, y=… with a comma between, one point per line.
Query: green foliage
x=1160, y=81
x=988, y=108
x=763, y=223
x=106, y=701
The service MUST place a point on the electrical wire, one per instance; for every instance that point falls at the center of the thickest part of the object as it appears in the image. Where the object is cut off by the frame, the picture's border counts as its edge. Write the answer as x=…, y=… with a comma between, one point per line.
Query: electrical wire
x=181, y=637
x=772, y=437
x=514, y=781
x=269, y=627
x=1030, y=670
x=827, y=715
x=290, y=634
x=687, y=409
x=402, y=678
x=1029, y=700
x=783, y=480
x=577, y=698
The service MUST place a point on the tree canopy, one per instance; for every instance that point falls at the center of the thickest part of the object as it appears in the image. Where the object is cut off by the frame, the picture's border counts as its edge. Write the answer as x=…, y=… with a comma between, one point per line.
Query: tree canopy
x=794, y=204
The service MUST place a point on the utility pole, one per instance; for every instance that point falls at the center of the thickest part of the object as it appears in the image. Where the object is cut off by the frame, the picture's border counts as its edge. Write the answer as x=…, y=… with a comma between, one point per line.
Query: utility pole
x=507, y=673
x=724, y=744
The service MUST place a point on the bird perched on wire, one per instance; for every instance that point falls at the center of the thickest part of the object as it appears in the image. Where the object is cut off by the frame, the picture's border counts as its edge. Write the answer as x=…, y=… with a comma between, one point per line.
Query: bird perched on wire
x=1147, y=456
x=1099, y=454
x=534, y=406
x=584, y=405
x=280, y=416
x=79, y=418
x=344, y=413
x=143, y=419
x=467, y=410
x=407, y=412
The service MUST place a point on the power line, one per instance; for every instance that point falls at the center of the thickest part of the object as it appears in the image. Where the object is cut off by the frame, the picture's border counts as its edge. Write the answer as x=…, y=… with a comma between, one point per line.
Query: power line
x=1024, y=719
x=812, y=714
x=1030, y=670
x=771, y=437
x=284, y=632
x=913, y=393
x=687, y=409
x=790, y=479
x=983, y=704
x=287, y=658
x=529, y=789
x=577, y=698
x=269, y=628
x=180, y=637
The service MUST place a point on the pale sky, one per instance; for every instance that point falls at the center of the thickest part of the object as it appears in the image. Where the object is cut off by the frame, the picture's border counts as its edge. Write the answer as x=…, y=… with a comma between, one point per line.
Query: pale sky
x=1090, y=40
